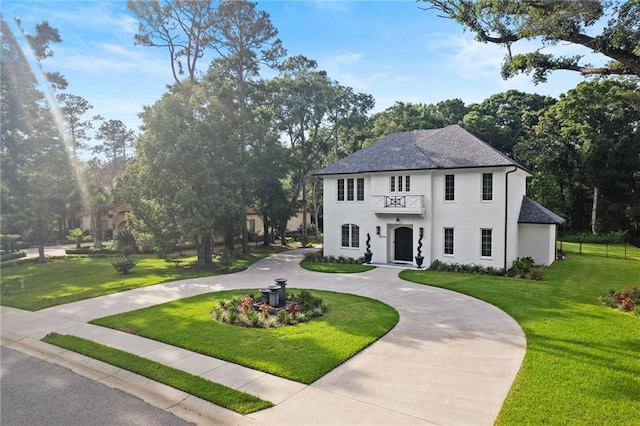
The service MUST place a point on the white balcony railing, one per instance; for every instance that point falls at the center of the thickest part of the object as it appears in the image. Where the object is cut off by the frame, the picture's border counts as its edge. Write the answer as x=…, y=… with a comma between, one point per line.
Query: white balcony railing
x=398, y=204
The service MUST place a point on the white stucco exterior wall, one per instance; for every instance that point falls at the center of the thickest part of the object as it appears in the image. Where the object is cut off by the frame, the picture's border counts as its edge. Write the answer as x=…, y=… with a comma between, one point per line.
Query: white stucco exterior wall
x=539, y=242
x=467, y=214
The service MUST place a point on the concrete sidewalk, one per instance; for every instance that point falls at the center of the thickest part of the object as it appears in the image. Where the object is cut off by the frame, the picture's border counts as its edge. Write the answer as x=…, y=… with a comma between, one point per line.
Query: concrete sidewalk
x=450, y=360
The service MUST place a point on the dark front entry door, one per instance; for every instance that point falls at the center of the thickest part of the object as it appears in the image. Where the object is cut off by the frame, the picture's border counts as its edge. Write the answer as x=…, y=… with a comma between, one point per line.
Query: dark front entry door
x=403, y=244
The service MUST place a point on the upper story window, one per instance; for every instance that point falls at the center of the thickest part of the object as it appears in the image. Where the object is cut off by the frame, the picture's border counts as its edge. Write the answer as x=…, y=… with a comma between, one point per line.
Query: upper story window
x=354, y=190
x=403, y=184
x=360, y=189
x=487, y=186
x=449, y=187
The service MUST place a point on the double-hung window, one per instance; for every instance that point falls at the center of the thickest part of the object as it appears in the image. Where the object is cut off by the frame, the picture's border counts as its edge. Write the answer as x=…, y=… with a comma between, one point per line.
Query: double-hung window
x=351, y=189
x=360, y=189
x=400, y=184
x=350, y=236
x=487, y=186
x=449, y=187
x=448, y=241
x=486, y=243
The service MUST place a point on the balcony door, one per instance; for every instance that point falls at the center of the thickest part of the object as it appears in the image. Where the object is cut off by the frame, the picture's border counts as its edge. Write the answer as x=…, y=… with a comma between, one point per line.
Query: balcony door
x=403, y=244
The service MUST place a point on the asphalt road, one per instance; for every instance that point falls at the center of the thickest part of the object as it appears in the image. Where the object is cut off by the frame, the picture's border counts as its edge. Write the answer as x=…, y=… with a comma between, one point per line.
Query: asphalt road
x=34, y=392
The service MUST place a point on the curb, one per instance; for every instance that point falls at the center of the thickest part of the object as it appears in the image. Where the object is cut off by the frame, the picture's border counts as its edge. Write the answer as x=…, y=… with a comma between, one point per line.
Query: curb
x=181, y=404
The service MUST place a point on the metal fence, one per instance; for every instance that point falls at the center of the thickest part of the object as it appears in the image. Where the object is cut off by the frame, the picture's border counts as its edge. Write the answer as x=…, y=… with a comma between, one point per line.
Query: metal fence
x=630, y=249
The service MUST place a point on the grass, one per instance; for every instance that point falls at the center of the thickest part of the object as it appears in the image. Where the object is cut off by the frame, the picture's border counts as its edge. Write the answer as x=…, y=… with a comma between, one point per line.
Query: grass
x=336, y=268
x=303, y=353
x=69, y=279
x=221, y=395
x=621, y=251
x=582, y=364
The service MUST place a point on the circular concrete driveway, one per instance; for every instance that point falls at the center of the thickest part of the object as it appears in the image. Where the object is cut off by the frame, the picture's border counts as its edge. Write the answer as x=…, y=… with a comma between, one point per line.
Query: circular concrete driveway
x=450, y=360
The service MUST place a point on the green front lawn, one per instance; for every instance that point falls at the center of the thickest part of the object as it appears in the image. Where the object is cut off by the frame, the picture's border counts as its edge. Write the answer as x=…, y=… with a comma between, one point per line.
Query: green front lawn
x=620, y=251
x=240, y=402
x=582, y=364
x=304, y=352
x=70, y=279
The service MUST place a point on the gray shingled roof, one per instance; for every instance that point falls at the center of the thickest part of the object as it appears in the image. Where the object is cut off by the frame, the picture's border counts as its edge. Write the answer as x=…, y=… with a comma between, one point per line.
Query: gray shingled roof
x=451, y=147
x=532, y=212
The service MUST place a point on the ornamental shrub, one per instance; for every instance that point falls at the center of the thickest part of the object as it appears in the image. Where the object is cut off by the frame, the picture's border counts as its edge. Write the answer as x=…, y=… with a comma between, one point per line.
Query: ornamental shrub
x=243, y=311
x=92, y=251
x=124, y=265
x=627, y=301
x=12, y=255
x=318, y=257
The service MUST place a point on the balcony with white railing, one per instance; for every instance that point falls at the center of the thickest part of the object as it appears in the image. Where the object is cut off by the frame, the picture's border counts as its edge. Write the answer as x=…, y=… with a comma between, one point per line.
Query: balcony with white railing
x=398, y=204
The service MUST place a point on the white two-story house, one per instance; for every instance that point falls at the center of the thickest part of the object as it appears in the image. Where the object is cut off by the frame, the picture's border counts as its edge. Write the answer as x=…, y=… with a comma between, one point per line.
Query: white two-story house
x=442, y=194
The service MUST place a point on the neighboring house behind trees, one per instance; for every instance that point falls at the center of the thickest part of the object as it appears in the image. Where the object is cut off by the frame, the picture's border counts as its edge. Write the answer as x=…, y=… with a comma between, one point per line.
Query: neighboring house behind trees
x=442, y=191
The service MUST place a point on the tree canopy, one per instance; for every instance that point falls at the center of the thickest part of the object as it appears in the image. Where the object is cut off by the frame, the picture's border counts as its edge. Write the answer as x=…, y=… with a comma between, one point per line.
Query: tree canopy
x=585, y=154
x=578, y=22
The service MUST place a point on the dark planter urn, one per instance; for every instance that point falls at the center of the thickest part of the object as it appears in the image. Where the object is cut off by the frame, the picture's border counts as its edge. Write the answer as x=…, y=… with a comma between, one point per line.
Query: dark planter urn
x=367, y=257
x=419, y=260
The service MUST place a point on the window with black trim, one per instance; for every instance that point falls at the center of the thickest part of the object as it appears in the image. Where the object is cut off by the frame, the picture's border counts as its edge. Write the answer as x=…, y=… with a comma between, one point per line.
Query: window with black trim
x=340, y=189
x=487, y=186
x=350, y=192
x=486, y=243
x=448, y=241
x=350, y=236
x=449, y=187
x=403, y=184
x=354, y=189
x=360, y=189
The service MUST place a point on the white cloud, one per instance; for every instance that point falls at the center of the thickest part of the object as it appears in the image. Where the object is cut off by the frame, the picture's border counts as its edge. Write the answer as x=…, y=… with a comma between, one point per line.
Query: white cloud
x=462, y=55
x=120, y=50
x=355, y=69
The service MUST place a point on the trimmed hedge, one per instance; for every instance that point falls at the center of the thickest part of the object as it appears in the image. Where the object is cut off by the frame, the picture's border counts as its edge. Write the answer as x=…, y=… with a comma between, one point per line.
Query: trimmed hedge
x=13, y=255
x=92, y=251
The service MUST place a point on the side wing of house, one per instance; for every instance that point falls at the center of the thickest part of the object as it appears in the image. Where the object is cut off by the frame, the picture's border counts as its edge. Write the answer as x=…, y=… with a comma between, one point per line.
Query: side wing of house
x=537, y=227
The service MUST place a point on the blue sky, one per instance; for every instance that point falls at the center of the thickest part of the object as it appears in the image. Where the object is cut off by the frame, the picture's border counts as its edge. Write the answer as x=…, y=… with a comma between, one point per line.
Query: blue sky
x=389, y=49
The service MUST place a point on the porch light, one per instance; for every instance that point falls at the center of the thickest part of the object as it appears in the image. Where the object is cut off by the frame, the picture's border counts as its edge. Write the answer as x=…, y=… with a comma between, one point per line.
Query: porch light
x=377, y=230
x=422, y=232
x=397, y=221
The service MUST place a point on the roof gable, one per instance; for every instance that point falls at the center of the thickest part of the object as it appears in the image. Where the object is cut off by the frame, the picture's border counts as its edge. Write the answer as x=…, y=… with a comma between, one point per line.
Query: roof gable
x=451, y=147
x=532, y=212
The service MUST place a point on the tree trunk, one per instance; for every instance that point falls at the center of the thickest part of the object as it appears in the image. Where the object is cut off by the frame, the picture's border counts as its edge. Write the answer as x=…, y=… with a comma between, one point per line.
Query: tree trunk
x=41, y=258
x=97, y=231
x=305, y=223
x=594, y=210
x=272, y=235
x=265, y=230
x=283, y=233
x=243, y=147
x=204, y=250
